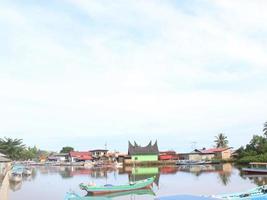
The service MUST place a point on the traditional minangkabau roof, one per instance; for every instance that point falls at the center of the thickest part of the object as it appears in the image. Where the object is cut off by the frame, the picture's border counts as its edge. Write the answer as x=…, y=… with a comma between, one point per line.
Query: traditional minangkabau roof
x=147, y=150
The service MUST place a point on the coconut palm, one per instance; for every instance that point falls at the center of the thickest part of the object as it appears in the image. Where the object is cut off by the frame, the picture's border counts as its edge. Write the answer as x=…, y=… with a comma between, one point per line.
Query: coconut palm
x=221, y=140
x=265, y=129
x=11, y=147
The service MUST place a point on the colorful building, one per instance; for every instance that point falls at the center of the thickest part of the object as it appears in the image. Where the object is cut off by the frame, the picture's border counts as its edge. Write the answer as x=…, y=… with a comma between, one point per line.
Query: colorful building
x=143, y=154
x=168, y=155
x=78, y=156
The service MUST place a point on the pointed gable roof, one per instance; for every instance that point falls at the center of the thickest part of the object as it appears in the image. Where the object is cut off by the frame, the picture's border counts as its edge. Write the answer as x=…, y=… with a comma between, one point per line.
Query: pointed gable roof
x=147, y=150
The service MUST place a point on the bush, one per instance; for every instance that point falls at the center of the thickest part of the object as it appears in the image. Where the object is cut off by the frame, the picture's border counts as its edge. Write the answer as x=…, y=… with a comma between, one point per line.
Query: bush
x=256, y=158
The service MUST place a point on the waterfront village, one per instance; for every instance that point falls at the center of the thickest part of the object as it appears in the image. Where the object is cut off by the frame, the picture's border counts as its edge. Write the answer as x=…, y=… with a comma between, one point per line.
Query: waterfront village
x=148, y=155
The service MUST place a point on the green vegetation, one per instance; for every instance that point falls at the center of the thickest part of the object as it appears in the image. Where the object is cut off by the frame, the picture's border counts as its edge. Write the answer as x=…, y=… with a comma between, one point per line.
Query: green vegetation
x=256, y=150
x=66, y=149
x=16, y=150
x=221, y=140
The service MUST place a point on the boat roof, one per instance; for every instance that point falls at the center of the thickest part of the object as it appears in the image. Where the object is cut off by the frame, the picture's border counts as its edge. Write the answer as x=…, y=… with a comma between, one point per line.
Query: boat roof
x=258, y=163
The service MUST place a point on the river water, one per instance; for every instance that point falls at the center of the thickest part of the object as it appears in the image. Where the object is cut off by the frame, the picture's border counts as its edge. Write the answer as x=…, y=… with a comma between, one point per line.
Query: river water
x=53, y=182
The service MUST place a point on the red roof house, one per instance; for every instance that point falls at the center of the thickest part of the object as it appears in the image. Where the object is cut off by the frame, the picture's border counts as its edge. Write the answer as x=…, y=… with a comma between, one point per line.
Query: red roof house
x=80, y=156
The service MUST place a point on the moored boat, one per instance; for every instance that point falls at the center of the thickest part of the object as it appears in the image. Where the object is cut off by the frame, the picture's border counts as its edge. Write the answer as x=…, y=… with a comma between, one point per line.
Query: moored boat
x=106, y=189
x=258, y=193
x=256, y=168
x=27, y=171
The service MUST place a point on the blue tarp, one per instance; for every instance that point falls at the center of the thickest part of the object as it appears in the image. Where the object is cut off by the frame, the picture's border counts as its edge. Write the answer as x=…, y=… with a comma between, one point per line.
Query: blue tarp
x=184, y=197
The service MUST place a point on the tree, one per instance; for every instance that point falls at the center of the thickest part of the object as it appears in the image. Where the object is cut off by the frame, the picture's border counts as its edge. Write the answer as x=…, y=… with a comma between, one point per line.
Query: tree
x=66, y=149
x=11, y=147
x=265, y=129
x=221, y=140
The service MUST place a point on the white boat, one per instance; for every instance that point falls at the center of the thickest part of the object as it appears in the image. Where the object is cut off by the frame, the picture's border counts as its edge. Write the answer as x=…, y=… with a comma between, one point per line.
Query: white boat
x=256, y=168
x=27, y=171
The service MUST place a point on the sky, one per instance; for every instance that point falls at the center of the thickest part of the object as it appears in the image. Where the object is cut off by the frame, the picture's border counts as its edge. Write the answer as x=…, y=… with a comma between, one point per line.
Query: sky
x=89, y=73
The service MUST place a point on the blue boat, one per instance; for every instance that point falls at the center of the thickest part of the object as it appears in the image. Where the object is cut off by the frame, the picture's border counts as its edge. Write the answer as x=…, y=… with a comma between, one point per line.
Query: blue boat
x=258, y=193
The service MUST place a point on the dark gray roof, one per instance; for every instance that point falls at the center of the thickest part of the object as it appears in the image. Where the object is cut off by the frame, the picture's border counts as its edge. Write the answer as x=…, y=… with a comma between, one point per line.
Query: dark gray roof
x=147, y=150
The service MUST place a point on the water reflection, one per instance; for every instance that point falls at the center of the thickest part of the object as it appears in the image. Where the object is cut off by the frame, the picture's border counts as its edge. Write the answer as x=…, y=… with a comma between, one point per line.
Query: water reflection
x=169, y=180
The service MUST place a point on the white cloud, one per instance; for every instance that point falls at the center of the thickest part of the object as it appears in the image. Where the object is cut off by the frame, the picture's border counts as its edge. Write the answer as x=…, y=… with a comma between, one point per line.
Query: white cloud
x=133, y=67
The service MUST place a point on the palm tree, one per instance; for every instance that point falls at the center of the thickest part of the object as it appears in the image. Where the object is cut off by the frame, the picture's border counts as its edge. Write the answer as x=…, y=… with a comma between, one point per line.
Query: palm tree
x=11, y=147
x=221, y=140
x=265, y=129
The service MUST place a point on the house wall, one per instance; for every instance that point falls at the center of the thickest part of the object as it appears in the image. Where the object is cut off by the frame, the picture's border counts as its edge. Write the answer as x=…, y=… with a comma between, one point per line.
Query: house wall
x=144, y=157
x=224, y=155
x=196, y=157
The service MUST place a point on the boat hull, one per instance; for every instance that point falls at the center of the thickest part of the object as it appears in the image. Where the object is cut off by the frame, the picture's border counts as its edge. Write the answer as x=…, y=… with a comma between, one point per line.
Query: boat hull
x=98, y=193
x=254, y=170
x=102, y=190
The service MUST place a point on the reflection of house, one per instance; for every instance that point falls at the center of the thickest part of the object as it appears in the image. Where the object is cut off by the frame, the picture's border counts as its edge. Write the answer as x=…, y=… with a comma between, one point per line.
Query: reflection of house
x=141, y=173
x=98, y=153
x=168, y=155
x=147, y=153
x=58, y=157
x=78, y=156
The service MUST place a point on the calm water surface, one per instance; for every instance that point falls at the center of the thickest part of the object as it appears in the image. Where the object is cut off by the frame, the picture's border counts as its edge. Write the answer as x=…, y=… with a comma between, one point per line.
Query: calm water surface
x=53, y=182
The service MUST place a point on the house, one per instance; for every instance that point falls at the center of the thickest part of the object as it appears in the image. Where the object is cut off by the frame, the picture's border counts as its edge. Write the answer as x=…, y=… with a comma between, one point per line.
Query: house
x=147, y=153
x=219, y=153
x=196, y=156
x=77, y=156
x=207, y=154
x=58, y=157
x=168, y=155
x=98, y=153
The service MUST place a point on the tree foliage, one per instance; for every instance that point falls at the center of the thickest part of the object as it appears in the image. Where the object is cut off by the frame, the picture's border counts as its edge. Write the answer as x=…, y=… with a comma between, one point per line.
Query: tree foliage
x=221, y=140
x=11, y=147
x=66, y=149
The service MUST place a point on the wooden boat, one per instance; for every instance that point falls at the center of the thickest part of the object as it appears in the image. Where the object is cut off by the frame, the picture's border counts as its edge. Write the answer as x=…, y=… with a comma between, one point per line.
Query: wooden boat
x=256, y=168
x=106, y=189
x=258, y=193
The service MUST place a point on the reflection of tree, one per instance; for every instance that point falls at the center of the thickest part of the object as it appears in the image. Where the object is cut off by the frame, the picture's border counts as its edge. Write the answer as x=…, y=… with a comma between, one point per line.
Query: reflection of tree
x=66, y=173
x=34, y=173
x=225, y=178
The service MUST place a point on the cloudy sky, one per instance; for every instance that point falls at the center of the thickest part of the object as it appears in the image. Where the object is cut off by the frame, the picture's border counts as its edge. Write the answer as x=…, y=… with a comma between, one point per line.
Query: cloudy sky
x=85, y=73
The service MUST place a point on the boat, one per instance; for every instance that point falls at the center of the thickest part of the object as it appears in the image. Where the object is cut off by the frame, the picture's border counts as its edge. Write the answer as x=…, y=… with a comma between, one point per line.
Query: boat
x=258, y=193
x=256, y=168
x=106, y=189
x=194, y=162
x=27, y=171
